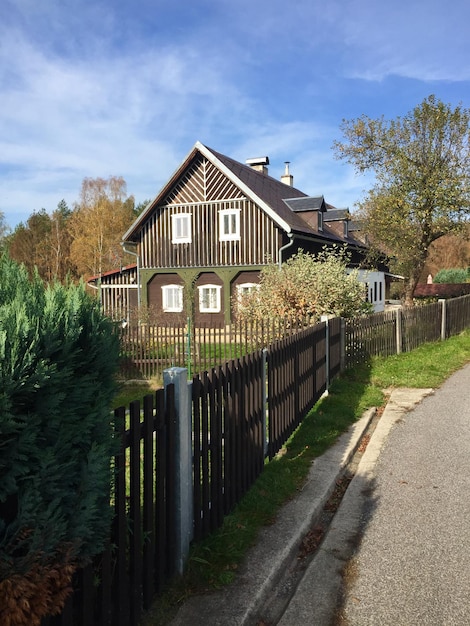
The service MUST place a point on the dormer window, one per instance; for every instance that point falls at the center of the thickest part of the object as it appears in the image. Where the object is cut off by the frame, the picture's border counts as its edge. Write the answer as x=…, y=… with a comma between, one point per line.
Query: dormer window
x=320, y=220
x=181, y=228
x=346, y=228
x=229, y=224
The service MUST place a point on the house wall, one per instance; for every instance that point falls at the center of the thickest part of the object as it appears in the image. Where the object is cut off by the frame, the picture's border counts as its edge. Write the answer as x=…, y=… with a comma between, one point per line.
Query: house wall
x=202, y=192
x=155, y=298
x=119, y=293
x=375, y=282
x=191, y=280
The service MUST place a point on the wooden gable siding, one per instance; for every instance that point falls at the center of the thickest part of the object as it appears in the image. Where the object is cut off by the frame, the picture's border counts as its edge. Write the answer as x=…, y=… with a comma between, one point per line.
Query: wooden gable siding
x=203, y=191
x=118, y=291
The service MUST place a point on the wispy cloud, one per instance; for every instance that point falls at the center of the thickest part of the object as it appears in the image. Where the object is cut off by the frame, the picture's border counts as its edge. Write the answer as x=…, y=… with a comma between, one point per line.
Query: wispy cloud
x=99, y=88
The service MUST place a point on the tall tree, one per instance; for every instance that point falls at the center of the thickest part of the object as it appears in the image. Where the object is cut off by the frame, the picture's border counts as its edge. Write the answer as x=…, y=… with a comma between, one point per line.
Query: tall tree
x=97, y=224
x=28, y=244
x=422, y=180
x=59, y=243
x=43, y=243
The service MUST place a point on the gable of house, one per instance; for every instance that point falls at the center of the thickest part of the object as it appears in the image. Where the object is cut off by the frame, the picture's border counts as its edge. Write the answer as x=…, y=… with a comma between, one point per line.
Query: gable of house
x=214, y=225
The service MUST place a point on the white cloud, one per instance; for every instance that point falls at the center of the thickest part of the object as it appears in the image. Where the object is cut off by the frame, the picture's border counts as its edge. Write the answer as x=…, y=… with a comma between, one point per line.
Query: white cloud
x=98, y=88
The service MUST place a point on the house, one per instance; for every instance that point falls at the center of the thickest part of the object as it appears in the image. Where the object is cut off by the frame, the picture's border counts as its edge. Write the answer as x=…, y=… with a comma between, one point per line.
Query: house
x=210, y=230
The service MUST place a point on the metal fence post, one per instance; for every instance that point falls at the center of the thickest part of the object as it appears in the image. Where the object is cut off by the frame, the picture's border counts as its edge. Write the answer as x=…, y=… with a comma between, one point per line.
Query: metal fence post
x=443, y=319
x=183, y=502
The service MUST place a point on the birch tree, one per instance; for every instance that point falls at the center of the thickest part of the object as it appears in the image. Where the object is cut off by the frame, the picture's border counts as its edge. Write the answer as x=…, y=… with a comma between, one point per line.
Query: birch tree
x=100, y=218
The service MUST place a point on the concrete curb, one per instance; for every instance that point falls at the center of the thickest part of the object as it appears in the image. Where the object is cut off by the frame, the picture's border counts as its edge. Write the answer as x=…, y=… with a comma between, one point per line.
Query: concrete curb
x=276, y=545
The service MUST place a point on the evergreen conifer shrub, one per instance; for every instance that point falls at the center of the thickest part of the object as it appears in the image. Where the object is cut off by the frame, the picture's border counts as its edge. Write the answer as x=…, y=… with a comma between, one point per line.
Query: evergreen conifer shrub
x=58, y=359
x=452, y=275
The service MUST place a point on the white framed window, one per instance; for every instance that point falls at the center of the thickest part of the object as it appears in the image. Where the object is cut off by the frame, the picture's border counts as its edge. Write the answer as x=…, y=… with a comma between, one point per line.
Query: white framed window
x=246, y=288
x=229, y=224
x=172, y=298
x=320, y=220
x=181, y=228
x=209, y=298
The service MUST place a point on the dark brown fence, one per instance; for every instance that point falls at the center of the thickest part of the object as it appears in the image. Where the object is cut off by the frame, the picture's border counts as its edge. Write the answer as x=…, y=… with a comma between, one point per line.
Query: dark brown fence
x=420, y=325
x=228, y=438
x=296, y=380
x=148, y=350
x=123, y=580
x=402, y=330
x=370, y=335
x=458, y=315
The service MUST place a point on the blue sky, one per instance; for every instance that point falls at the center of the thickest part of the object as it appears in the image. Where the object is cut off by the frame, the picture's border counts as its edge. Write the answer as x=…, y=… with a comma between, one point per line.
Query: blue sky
x=94, y=88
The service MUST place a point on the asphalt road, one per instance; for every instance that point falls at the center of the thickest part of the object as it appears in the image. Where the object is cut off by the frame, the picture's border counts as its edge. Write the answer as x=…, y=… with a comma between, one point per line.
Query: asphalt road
x=398, y=552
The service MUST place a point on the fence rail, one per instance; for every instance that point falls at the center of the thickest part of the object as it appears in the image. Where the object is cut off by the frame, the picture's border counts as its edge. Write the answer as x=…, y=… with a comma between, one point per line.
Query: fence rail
x=230, y=436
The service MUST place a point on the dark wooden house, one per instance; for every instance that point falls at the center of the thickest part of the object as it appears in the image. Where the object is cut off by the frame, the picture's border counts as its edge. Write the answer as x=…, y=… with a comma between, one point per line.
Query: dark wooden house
x=209, y=232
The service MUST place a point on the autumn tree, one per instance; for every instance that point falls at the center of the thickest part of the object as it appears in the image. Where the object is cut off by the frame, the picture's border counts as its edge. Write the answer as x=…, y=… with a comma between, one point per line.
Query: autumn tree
x=100, y=218
x=59, y=242
x=447, y=252
x=421, y=164
x=28, y=244
x=43, y=244
x=305, y=286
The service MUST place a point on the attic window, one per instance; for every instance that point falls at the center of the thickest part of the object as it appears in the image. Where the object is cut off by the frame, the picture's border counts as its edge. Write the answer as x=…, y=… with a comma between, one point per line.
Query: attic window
x=181, y=228
x=229, y=224
x=320, y=220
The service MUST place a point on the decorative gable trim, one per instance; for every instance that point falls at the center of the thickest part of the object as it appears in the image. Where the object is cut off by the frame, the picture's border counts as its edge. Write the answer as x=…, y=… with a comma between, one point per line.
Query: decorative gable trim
x=244, y=188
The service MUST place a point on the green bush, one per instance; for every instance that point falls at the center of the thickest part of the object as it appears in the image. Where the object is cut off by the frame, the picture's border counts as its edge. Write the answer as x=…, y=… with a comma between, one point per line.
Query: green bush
x=453, y=275
x=58, y=358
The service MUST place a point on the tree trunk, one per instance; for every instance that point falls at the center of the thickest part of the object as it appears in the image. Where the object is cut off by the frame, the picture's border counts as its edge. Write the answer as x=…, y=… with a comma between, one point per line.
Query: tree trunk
x=409, y=291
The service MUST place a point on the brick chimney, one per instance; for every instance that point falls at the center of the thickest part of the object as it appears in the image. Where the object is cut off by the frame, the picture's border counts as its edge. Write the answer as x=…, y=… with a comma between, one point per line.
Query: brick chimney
x=287, y=178
x=259, y=164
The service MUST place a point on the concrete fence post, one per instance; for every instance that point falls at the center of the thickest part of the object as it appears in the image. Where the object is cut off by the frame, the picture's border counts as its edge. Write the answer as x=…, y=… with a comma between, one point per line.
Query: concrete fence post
x=443, y=319
x=399, y=333
x=343, y=344
x=324, y=318
x=183, y=501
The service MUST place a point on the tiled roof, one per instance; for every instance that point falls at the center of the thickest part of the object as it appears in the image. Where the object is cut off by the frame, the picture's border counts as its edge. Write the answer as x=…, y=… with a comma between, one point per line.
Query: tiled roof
x=269, y=189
